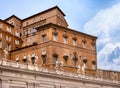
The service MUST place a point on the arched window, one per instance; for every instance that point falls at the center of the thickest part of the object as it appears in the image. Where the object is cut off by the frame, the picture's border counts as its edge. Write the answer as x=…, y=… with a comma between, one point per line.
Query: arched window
x=74, y=62
x=93, y=64
x=75, y=59
x=66, y=59
x=84, y=63
x=55, y=57
x=74, y=40
x=93, y=44
x=84, y=42
x=44, y=58
x=65, y=37
x=55, y=35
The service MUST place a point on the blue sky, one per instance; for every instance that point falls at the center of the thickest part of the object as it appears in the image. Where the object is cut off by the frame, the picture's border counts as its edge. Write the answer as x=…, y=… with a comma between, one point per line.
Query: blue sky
x=97, y=17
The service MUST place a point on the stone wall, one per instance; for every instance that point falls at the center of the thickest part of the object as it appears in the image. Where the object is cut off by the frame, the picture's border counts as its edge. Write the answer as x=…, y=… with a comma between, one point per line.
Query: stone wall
x=25, y=76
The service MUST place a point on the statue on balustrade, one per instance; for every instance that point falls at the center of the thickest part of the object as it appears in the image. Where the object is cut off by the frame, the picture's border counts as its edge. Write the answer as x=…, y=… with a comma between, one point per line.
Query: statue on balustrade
x=32, y=59
x=17, y=58
x=59, y=65
x=29, y=59
x=5, y=53
x=79, y=69
x=83, y=70
x=24, y=58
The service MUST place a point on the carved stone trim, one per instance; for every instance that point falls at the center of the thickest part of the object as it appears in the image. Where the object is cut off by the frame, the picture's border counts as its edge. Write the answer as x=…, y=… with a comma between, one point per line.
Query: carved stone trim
x=93, y=62
x=74, y=38
x=55, y=33
x=65, y=57
x=43, y=55
x=84, y=60
x=93, y=43
x=55, y=55
x=65, y=36
x=84, y=40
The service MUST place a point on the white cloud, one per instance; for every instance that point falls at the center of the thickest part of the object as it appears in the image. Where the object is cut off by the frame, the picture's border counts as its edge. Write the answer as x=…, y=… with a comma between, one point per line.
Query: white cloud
x=106, y=26
x=104, y=56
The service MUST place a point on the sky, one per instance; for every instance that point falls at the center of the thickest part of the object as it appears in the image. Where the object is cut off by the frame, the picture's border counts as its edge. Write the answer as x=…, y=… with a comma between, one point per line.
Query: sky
x=100, y=18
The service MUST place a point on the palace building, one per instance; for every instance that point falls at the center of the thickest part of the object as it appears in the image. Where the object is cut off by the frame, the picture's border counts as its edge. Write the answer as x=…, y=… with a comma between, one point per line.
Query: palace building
x=40, y=51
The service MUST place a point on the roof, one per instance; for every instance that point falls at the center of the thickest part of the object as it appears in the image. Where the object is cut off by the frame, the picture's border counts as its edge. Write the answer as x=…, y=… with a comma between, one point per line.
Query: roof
x=11, y=17
x=55, y=25
x=6, y=23
x=55, y=7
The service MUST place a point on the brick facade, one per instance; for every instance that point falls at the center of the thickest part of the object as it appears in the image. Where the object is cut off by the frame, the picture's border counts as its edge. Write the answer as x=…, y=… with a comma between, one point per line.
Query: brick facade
x=45, y=39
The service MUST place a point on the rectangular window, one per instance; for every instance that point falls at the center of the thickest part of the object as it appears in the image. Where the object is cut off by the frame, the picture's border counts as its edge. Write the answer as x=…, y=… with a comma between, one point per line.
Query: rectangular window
x=93, y=47
x=74, y=42
x=93, y=67
x=17, y=34
x=54, y=60
x=0, y=44
x=27, y=23
x=8, y=29
x=75, y=62
x=33, y=20
x=43, y=38
x=8, y=47
x=65, y=40
x=0, y=35
x=84, y=65
x=1, y=25
x=8, y=38
x=54, y=37
x=17, y=42
x=84, y=45
x=34, y=30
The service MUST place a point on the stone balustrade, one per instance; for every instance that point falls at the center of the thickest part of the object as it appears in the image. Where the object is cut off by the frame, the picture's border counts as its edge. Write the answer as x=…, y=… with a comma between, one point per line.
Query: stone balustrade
x=39, y=68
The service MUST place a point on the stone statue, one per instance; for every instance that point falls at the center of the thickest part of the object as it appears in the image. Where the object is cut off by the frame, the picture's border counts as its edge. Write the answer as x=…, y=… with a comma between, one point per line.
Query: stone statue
x=5, y=53
x=114, y=76
x=36, y=59
x=29, y=59
x=17, y=58
x=33, y=58
x=59, y=65
x=79, y=69
x=24, y=58
x=83, y=70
